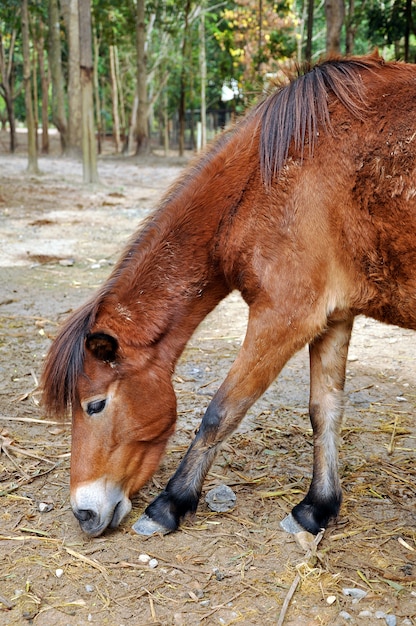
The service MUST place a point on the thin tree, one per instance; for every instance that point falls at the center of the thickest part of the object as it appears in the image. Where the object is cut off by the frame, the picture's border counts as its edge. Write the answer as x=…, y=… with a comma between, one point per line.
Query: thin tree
x=89, y=149
x=335, y=13
x=44, y=81
x=7, y=83
x=57, y=79
x=203, y=73
x=309, y=30
x=350, y=28
x=407, y=28
x=115, y=99
x=142, y=128
x=32, y=166
x=182, y=93
x=71, y=17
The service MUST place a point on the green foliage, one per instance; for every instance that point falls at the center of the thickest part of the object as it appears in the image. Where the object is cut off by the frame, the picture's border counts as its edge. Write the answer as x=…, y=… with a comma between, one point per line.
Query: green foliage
x=245, y=40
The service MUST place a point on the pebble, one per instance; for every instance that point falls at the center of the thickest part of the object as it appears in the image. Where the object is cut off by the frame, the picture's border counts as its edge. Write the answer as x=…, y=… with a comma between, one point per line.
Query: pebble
x=153, y=563
x=354, y=593
x=218, y=575
x=89, y=588
x=59, y=573
x=221, y=499
x=331, y=599
x=45, y=507
x=345, y=615
x=144, y=558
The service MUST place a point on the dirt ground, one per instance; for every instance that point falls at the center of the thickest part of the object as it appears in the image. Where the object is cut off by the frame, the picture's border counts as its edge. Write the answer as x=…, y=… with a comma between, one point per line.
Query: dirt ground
x=58, y=240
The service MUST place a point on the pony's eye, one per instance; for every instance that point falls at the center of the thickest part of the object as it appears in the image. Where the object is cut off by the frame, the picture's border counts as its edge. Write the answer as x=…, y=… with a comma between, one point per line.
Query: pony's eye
x=96, y=406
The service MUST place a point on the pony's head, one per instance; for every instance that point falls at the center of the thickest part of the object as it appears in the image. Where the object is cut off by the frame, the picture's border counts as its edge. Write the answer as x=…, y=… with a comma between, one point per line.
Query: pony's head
x=123, y=413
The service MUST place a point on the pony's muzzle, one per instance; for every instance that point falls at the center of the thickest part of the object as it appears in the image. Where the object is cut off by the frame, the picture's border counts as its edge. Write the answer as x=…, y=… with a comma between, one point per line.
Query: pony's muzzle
x=88, y=520
x=99, y=505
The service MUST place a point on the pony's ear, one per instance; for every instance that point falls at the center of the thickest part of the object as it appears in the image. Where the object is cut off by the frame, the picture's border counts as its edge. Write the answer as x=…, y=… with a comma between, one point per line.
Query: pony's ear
x=103, y=346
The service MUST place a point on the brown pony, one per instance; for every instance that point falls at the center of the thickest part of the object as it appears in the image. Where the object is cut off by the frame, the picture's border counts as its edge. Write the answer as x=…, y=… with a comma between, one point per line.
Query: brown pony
x=308, y=208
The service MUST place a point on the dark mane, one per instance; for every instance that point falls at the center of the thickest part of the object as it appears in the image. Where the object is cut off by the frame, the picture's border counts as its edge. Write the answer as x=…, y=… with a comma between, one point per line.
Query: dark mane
x=299, y=110
x=65, y=360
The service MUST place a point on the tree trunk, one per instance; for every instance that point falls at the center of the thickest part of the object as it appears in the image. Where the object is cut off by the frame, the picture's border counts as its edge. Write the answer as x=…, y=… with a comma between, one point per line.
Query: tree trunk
x=203, y=75
x=407, y=29
x=350, y=29
x=35, y=95
x=309, y=31
x=335, y=13
x=182, y=94
x=55, y=64
x=133, y=124
x=142, y=128
x=165, y=122
x=32, y=166
x=6, y=85
x=73, y=146
x=44, y=81
x=114, y=98
x=97, y=98
x=121, y=100
x=89, y=149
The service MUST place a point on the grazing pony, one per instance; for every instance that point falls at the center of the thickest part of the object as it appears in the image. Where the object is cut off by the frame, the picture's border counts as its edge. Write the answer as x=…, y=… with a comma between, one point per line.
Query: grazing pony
x=308, y=208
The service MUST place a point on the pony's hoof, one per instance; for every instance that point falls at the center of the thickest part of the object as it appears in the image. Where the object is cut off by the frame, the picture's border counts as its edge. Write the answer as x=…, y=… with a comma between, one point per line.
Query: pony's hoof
x=290, y=525
x=145, y=525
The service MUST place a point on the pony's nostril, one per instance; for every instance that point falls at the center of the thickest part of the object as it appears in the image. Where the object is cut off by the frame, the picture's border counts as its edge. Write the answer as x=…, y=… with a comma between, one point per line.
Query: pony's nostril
x=84, y=515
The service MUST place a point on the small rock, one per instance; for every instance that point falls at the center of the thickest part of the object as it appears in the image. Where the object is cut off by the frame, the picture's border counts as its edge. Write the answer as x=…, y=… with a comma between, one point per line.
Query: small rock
x=195, y=594
x=221, y=499
x=345, y=615
x=153, y=563
x=391, y=620
x=365, y=614
x=144, y=558
x=205, y=603
x=355, y=594
x=59, y=573
x=380, y=615
x=218, y=575
x=401, y=399
x=331, y=599
x=45, y=507
x=89, y=588
x=66, y=262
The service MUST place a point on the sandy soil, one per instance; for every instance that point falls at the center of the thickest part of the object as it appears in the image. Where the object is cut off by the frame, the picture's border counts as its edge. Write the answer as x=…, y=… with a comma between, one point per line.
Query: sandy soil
x=58, y=241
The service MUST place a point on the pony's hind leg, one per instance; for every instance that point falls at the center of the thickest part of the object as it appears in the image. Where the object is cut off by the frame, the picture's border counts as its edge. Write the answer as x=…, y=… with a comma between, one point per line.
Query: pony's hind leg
x=328, y=357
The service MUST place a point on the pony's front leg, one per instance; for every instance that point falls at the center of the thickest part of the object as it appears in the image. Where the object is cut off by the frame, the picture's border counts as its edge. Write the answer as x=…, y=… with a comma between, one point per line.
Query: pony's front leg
x=267, y=346
x=328, y=357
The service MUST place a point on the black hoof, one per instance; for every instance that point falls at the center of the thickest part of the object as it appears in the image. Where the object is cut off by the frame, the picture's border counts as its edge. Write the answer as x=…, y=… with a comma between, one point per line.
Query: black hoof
x=313, y=515
x=168, y=510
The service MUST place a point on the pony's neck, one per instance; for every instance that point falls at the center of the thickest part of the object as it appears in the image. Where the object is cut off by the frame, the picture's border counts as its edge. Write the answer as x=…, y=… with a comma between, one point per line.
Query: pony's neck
x=171, y=275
